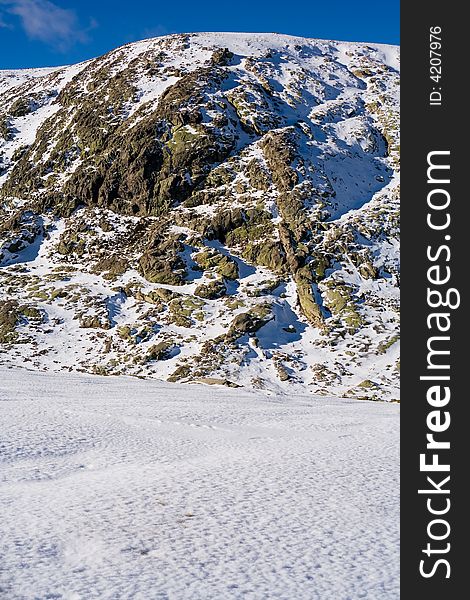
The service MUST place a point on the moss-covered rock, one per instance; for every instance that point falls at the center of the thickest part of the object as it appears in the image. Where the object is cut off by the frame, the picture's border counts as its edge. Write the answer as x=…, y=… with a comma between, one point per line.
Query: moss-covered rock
x=162, y=269
x=245, y=323
x=339, y=301
x=9, y=319
x=183, y=309
x=221, y=57
x=280, y=151
x=112, y=266
x=258, y=177
x=306, y=298
x=152, y=298
x=264, y=288
x=181, y=372
x=282, y=372
x=32, y=313
x=367, y=384
x=164, y=294
x=94, y=322
x=266, y=254
x=212, y=290
x=319, y=264
x=6, y=132
x=160, y=351
x=258, y=227
x=388, y=343
x=20, y=107
x=223, y=265
x=71, y=242
x=367, y=270
x=125, y=332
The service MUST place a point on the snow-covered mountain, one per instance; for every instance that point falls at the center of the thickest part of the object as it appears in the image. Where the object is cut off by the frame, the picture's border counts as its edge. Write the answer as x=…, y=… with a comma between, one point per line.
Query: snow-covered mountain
x=215, y=207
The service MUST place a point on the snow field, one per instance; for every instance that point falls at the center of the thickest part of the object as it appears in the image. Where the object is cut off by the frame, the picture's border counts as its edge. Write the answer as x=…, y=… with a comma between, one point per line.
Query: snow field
x=118, y=488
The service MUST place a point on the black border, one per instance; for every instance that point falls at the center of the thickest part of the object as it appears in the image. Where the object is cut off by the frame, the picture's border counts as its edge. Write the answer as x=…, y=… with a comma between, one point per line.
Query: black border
x=426, y=128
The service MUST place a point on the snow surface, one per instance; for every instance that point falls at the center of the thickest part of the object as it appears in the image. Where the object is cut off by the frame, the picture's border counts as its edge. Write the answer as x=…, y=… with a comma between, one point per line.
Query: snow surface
x=120, y=488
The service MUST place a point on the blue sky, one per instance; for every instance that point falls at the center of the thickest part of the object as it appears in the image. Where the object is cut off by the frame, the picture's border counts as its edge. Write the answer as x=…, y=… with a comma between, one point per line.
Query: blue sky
x=55, y=32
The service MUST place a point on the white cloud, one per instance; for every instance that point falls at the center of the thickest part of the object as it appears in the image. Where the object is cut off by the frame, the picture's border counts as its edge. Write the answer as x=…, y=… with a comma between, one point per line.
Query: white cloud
x=45, y=21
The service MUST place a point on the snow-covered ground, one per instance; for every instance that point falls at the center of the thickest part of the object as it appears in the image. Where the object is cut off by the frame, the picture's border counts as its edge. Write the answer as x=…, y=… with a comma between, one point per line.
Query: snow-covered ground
x=119, y=488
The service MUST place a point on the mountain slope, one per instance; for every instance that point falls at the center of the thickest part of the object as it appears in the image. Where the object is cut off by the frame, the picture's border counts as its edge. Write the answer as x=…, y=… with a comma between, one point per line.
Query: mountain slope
x=221, y=207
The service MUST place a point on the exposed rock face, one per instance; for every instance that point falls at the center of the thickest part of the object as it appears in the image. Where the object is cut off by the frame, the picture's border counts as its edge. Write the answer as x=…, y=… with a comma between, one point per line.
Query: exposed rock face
x=185, y=175
x=245, y=323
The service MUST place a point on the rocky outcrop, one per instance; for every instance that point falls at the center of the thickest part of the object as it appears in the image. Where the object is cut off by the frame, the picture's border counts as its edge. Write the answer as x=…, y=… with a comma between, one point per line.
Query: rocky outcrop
x=245, y=323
